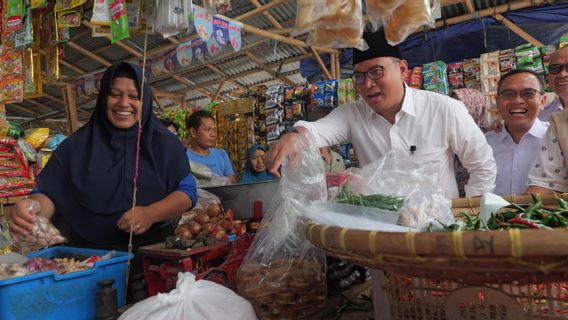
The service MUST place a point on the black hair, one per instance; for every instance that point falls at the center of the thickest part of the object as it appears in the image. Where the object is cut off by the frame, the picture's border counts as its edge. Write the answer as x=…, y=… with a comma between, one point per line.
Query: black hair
x=519, y=71
x=125, y=71
x=168, y=122
x=194, y=120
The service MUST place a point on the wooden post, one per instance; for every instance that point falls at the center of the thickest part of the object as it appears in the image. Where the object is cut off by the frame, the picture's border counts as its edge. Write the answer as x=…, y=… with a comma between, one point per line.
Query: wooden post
x=338, y=66
x=321, y=64
x=70, y=108
x=333, y=67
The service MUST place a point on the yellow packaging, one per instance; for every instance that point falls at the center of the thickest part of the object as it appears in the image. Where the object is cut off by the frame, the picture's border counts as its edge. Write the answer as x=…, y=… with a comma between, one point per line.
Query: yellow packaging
x=38, y=137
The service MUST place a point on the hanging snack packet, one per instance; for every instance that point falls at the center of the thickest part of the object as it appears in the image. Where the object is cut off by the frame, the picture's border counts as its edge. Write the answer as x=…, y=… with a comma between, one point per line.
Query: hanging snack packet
x=119, y=24
x=12, y=90
x=14, y=13
x=101, y=13
x=51, y=64
x=406, y=19
x=38, y=4
x=69, y=18
x=379, y=11
x=23, y=37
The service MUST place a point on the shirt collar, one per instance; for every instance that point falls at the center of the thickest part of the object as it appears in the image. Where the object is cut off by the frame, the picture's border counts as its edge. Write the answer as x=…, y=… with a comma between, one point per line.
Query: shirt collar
x=408, y=106
x=538, y=130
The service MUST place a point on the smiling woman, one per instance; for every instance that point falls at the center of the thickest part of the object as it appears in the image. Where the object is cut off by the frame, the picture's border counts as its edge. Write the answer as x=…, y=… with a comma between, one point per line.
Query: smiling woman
x=88, y=183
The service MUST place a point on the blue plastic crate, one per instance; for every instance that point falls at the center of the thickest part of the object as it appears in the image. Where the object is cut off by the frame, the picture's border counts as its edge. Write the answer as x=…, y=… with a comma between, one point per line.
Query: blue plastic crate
x=47, y=295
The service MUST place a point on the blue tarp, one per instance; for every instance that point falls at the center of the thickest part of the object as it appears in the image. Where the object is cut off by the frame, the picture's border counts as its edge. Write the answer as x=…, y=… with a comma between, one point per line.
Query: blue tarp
x=472, y=38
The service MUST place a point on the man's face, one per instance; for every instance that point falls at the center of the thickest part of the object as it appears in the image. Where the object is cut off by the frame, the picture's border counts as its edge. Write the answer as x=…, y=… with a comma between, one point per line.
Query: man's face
x=386, y=92
x=205, y=135
x=519, y=101
x=559, y=82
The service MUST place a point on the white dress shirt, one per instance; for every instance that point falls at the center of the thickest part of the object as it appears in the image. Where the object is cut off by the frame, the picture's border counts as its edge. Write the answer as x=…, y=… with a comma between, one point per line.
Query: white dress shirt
x=549, y=169
x=555, y=105
x=436, y=125
x=514, y=160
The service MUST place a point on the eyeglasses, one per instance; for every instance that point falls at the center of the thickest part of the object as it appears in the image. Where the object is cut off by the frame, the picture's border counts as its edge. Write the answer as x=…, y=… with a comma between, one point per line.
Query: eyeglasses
x=375, y=73
x=527, y=94
x=557, y=68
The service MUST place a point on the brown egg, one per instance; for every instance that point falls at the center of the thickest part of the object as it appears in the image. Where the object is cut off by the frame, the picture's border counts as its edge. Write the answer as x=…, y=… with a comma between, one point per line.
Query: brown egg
x=202, y=218
x=214, y=210
x=195, y=228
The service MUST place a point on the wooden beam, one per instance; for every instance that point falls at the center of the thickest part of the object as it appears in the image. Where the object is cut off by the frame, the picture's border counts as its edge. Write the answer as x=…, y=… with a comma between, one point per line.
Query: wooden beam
x=41, y=105
x=224, y=75
x=469, y=6
x=21, y=109
x=157, y=100
x=489, y=12
x=338, y=66
x=332, y=66
x=72, y=66
x=283, y=39
x=70, y=108
x=259, y=10
x=444, y=3
x=520, y=32
x=321, y=64
x=88, y=53
x=269, y=71
x=47, y=95
x=216, y=94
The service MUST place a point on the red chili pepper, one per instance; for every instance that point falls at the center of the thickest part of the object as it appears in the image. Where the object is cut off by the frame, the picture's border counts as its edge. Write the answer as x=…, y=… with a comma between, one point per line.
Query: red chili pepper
x=527, y=222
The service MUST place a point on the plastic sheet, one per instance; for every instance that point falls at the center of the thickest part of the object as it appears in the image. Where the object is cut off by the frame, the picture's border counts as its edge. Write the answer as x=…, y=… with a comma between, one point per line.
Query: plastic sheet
x=283, y=275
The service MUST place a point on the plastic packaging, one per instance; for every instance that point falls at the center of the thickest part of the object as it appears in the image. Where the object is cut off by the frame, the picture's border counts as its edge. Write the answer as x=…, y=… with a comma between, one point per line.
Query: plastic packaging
x=408, y=17
x=38, y=137
x=283, y=275
x=379, y=10
x=173, y=17
x=192, y=299
x=43, y=234
x=119, y=23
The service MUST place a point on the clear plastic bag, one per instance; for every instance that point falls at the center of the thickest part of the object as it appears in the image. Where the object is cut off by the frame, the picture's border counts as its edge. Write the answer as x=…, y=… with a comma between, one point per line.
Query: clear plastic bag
x=173, y=17
x=283, y=274
x=379, y=11
x=401, y=175
x=408, y=17
x=192, y=299
x=43, y=234
x=204, y=218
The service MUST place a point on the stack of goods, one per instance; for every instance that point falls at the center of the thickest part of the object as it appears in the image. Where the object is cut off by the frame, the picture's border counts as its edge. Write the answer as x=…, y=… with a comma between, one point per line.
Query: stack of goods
x=546, y=52
x=274, y=113
x=507, y=61
x=490, y=75
x=178, y=116
x=415, y=79
x=12, y=83
x=233, y=131
x=259, y=116
x=285, y=105
x=455, y=75
x=435, y=77
x=528, y=58
x=471, y=74
x=346, y=92
x=325, y=94
x=15, y=177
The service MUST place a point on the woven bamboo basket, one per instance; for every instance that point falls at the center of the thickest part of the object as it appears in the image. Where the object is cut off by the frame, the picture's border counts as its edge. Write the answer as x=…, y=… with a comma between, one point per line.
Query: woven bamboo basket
x=508, y=275
x=519, y=256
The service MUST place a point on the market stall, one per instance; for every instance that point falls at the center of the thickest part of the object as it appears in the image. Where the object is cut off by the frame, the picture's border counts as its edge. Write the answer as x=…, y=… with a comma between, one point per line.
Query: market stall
x=243, y=67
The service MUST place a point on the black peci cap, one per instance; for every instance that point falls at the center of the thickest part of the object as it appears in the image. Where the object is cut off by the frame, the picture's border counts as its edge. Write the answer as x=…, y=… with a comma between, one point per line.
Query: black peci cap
x=378, y=47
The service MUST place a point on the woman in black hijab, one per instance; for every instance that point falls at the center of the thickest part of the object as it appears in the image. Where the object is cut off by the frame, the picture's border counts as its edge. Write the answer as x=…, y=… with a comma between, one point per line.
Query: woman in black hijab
x=88, y=182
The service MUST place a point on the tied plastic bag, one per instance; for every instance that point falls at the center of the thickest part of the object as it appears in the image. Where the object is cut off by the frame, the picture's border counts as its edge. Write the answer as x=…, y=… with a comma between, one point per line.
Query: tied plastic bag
x=207, y=218
x=173, y=17
x=43, y=234
x=192, y=299
x=379, y=11
x=283, y=274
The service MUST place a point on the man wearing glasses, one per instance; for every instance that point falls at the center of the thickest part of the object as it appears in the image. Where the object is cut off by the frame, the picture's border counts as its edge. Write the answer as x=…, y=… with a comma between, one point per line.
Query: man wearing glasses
x=424, y=125
x=520, y=98
x=557, y=80
x=549, y=172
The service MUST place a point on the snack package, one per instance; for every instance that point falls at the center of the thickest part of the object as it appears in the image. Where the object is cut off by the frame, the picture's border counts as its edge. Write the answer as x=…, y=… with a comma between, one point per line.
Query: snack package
x=283, y=275
x=455, y=75
x=507, y=61
x=43, y=234
x=12, y=90
x=51, y=64
x=119, y=20
x=37, y=137
x=489, y=64
x=471, y=76
x=23, y=38
x=101, y=13
x=435, y=77
x=563, y=41
x=406, y=18
x=32, y=73
x=14, y=13
x=380, y=10
x=343, y=29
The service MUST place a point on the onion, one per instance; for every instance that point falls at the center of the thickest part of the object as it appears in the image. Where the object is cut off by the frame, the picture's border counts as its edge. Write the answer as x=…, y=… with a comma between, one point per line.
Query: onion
x=195, y=228
x=183, y=231
x=214, y=210
x=202, y=218
x=208, y=227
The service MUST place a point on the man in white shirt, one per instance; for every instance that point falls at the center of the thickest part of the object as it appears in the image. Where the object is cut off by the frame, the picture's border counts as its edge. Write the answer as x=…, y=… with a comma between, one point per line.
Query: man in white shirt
x=557, y=81
x=549, y=172
x=392, y=116
x=520, y=98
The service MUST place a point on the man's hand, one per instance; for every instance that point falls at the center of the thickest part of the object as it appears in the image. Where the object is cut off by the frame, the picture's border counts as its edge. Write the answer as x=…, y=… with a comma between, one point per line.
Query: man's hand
x=278, y=152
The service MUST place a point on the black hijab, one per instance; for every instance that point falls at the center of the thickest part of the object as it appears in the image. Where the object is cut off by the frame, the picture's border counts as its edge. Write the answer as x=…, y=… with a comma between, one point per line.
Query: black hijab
x=90, y=176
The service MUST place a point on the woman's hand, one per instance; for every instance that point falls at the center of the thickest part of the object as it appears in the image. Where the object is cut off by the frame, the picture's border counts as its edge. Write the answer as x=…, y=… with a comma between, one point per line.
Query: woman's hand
x=22, y=217
x=139, y=220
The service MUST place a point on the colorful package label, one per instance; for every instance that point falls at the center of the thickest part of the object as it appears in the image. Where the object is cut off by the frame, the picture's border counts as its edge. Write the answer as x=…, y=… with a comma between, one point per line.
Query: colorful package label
x=203, y=24
x=221, y=30
x=184, y=54
x=170, y=61
x=235, y=28
x=101, y=13
x=199, y=49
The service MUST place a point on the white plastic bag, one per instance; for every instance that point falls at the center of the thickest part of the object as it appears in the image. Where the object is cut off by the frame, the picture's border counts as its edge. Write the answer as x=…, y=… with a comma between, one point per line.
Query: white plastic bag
x=192, y=299
x=173, y=17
